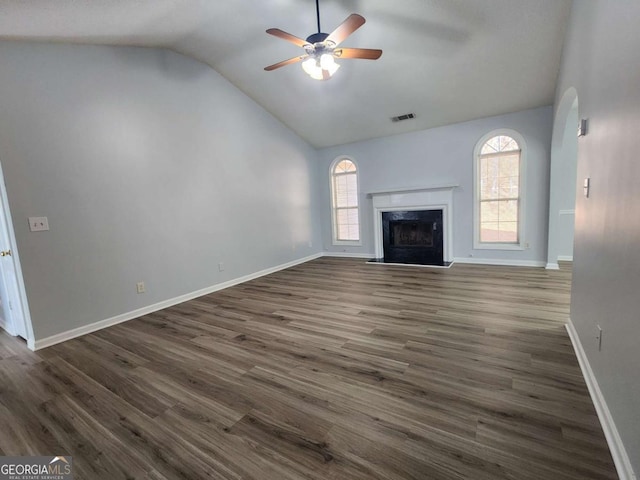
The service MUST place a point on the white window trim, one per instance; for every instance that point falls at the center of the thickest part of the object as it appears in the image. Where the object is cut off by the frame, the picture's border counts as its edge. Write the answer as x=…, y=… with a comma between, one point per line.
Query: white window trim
x=477, y=245
x=334, y=233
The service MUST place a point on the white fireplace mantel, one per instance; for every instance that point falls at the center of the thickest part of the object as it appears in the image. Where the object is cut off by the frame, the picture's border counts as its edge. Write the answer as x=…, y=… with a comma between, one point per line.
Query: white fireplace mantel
x=442, y=186
x=433, y=197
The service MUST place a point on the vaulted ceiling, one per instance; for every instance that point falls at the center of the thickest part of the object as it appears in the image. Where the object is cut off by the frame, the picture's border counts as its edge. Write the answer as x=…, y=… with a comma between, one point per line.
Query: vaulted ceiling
x=447, y=61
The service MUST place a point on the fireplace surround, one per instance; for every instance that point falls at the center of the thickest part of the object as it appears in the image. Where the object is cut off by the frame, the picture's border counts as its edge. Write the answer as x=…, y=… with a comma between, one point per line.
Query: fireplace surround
x=414, y=199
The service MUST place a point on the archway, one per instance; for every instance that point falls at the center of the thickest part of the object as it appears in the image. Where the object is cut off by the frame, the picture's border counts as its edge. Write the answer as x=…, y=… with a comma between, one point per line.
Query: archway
x=563, y=180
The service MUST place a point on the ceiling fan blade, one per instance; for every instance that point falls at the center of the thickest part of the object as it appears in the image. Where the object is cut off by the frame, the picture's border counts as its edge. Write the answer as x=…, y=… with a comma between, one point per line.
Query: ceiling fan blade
x=285, y=62
x=366, y=53
x=276, y=32
x=346, y=28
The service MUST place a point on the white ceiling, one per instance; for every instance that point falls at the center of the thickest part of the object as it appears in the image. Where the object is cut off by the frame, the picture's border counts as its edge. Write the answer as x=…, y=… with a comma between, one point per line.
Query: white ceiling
x=447, y=61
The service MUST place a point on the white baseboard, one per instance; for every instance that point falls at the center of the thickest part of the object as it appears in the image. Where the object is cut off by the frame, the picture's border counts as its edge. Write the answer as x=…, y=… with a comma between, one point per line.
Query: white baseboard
x=494, y=261
x=124, y=317
x=348, y=255
x=552, y=266
x=565, y=258
x=618, y=452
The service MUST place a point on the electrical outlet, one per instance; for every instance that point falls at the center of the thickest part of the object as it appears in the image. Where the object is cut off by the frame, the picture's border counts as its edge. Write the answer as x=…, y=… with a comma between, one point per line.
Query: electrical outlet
x=221, y=267
x=526, y=245
x=38, y=224
x=310, y=244
x=140, y=288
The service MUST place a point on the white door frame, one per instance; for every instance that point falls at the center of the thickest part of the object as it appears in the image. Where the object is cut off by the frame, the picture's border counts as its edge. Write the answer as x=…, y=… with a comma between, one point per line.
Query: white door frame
x=19, y=304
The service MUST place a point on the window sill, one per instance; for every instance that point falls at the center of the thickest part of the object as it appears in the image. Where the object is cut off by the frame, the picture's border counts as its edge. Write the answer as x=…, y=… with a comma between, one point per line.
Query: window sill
x=352, y=243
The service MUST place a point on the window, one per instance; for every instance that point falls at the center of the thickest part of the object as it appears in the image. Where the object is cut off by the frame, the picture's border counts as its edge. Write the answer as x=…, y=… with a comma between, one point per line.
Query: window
x=499, y=197
x=344, y=202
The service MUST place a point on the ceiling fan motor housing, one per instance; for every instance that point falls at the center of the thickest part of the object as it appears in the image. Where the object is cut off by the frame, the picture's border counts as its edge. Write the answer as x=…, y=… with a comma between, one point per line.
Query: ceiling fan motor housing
x=317, y=38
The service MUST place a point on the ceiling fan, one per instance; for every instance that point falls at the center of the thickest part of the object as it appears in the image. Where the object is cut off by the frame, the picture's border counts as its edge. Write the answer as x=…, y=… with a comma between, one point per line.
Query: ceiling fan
x=321, y=49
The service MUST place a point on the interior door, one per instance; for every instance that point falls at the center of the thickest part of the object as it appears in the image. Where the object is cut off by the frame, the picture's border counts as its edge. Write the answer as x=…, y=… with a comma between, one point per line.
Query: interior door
x=9, y=291
x=4, y=322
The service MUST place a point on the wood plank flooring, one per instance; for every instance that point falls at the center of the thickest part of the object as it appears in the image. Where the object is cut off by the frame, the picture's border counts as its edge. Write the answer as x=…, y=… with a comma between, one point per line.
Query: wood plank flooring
x=334, y=369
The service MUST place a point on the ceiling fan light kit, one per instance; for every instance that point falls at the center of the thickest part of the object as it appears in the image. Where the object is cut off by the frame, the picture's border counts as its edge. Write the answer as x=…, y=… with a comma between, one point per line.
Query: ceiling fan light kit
x=320, y=48
x=319, y=68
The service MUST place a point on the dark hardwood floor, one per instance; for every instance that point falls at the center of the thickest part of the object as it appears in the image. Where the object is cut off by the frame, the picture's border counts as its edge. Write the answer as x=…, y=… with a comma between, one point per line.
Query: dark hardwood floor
x=334, y=369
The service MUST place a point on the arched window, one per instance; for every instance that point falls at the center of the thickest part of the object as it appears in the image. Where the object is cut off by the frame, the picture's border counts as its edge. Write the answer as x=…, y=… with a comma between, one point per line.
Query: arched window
x=344, y=202
x=499, y=173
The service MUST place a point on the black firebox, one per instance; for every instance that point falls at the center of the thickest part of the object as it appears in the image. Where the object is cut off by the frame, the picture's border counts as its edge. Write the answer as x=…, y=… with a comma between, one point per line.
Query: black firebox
x=413, y=237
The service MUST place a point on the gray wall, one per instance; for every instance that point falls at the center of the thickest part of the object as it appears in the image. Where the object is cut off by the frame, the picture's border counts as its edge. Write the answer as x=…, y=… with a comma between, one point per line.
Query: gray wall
x=602, y=61
x=443, y=155
x=150, y=166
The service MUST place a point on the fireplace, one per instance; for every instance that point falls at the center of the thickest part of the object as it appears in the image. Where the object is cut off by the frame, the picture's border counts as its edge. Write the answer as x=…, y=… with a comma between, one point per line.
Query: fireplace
x=417, y=222
x=413, y=237
x=409, y=233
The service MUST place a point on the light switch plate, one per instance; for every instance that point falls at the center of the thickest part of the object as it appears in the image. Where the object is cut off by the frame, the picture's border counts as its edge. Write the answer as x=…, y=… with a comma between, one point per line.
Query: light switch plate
x=38, y=224
x=586, y=186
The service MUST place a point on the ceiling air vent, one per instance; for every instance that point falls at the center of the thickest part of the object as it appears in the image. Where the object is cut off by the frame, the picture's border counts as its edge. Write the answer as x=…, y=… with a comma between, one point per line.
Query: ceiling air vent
x=406, y=116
